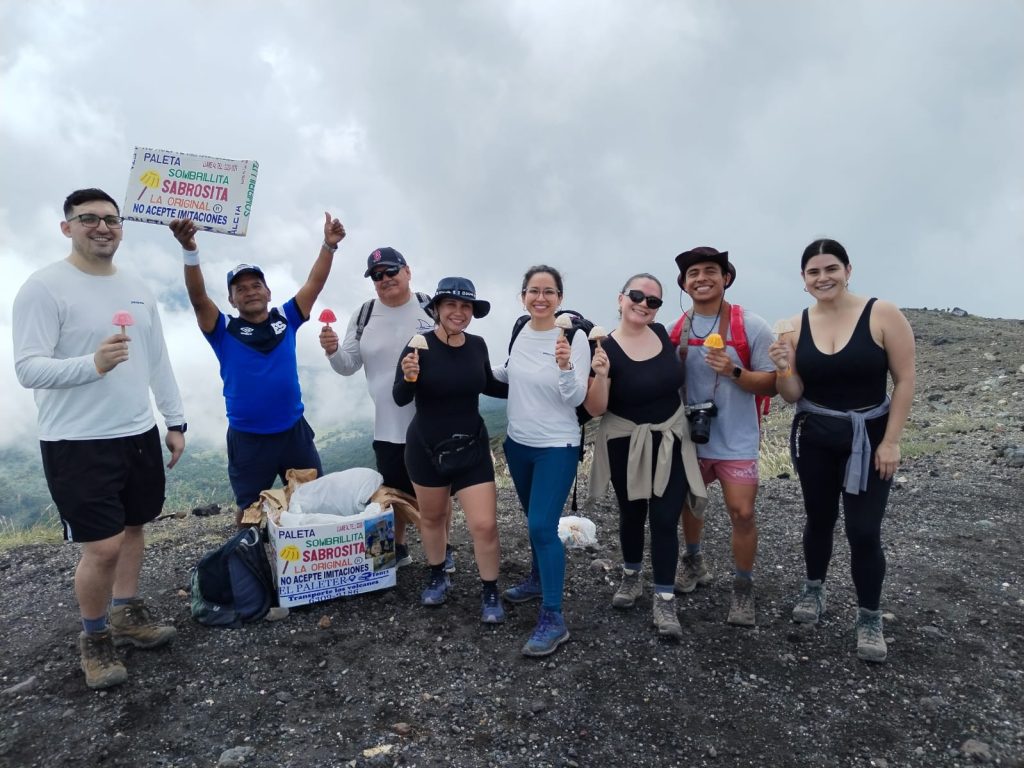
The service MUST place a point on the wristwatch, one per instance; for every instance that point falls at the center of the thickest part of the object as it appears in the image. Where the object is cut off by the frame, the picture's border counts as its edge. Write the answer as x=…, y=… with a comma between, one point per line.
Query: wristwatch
x=737, y=372
x=183, y=428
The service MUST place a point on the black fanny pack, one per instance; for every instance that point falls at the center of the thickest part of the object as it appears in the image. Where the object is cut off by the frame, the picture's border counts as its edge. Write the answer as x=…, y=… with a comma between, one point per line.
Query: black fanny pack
x=459, y=453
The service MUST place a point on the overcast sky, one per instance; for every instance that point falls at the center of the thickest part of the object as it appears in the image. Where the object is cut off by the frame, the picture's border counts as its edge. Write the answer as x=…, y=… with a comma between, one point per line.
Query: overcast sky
x=479, y=138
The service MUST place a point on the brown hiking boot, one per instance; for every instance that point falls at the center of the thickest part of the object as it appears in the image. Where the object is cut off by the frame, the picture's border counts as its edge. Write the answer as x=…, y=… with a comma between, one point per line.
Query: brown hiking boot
x=741, y=609
x=693, y=571
x=100, y=661
x=133, y=623
x=630, y=589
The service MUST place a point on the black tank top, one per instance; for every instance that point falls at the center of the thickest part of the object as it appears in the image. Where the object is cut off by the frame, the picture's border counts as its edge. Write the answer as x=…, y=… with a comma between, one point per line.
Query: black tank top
x=851, y=379
x=645, y=391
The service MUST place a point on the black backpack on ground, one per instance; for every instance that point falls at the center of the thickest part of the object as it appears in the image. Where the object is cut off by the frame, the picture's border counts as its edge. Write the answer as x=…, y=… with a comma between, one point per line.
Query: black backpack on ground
x=233, y=583
x=579, y=323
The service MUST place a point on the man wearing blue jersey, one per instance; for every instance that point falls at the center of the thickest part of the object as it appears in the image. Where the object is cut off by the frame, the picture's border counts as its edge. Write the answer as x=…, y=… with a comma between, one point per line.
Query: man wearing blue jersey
x=267, y=433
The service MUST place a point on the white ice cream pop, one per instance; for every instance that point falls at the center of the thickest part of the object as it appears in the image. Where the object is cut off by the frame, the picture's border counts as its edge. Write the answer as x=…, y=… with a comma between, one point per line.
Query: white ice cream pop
x=564, y=322
x=782, y=326
x=597, y=333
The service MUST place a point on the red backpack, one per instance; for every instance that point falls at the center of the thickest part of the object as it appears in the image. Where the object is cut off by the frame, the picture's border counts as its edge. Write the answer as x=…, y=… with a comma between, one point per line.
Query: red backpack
x=731, y=318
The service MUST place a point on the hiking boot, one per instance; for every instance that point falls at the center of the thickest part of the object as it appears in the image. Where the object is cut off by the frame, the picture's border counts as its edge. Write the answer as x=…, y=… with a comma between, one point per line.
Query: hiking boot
x=693, y=572
x=133, y=624
x=666, y=619
x=630, y=588
x=549, y=633
x=436, y=591
x=870, y=640
x=491, y=609
x=402, y=556
x=449, y=559
x=741, y=609
x=100, y=661
x=526, y=590
x=810, y=606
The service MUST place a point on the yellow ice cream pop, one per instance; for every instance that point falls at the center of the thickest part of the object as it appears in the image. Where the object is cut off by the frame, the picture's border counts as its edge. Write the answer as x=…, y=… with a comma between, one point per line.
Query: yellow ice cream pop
x=714, y=341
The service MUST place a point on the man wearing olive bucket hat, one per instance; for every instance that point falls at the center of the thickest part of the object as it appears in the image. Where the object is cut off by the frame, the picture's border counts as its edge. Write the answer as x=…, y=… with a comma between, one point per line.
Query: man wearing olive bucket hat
x=447, y=449
x=723, y=382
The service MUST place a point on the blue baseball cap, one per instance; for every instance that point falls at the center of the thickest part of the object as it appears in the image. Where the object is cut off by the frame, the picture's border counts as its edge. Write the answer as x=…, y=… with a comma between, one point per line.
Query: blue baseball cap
x=241, y=269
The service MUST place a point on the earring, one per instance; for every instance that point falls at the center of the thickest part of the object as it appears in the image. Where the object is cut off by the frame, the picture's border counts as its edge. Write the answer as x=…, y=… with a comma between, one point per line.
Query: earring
x=805, y=289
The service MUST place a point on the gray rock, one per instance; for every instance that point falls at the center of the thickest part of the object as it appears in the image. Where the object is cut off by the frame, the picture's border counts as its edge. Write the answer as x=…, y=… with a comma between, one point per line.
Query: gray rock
x=976, y=750
x=235, y=757
x=25, y=685
x=1014, y=456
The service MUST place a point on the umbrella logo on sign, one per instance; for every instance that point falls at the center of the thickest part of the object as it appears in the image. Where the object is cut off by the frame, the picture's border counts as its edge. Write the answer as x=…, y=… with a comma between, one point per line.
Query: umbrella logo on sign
x=150, y=180
x=289, y=554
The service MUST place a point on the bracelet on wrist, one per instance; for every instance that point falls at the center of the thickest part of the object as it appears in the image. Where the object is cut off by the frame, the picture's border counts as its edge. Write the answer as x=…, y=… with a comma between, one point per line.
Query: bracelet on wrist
x=329, y=247
x=784, y=374
x=191, y=258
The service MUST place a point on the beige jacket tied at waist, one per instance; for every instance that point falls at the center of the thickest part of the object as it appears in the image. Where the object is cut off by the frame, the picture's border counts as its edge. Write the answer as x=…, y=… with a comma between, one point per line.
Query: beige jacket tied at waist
x=641, y=449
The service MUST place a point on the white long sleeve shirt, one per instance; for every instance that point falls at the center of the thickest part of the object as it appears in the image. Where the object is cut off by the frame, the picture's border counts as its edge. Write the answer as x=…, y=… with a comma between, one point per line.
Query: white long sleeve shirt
x=60, y=317
x=384, y=337
x=542, y=398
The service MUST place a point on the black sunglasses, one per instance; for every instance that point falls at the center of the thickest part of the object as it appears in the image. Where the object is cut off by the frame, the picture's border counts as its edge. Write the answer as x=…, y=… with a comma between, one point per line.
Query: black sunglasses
x=638, y=296
x=389, y=272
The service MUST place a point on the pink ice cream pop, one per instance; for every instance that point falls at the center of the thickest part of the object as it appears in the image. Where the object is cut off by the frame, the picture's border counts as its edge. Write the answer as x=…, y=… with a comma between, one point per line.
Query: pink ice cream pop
x=123, y=318
x=327, y=317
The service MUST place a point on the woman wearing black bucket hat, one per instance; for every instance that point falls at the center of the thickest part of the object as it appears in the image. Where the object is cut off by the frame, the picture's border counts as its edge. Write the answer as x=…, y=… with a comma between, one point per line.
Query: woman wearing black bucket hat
x=447, y=448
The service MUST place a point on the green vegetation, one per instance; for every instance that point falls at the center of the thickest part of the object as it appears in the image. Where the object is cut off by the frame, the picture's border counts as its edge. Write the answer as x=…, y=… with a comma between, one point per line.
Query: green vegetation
x=200, y=478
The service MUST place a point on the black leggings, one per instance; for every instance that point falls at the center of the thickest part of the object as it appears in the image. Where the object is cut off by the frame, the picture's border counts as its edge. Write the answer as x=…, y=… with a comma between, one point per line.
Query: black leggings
x=663, y=512
x=821, y=446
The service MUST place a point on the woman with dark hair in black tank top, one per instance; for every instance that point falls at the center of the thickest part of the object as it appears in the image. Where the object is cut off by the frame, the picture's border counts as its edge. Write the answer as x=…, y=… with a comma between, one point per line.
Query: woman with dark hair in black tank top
x=833, y=361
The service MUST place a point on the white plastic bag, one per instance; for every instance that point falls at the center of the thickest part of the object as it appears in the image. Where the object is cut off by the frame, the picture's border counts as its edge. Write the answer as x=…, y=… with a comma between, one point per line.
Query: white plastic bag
x=294, y=517
x=577, y=532
x=339, y=493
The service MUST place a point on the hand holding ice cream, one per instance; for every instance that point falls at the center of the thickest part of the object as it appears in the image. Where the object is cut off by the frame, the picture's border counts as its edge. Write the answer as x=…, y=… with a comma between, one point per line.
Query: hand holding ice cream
x=113, y=350
x=781, y=350
x=411, y=370
x=597, y=334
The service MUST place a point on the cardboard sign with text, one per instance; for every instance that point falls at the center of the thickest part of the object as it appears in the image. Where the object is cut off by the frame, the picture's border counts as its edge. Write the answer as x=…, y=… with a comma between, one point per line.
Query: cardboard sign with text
x=215, y=193
x=322, y=562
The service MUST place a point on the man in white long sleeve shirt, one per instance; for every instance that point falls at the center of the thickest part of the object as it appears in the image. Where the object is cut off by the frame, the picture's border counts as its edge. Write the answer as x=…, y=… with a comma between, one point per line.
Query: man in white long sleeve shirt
x=374, y=341
x=88, y=341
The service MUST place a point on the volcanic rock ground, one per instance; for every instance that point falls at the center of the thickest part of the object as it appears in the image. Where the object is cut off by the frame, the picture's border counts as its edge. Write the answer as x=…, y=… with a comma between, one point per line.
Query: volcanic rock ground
x=376, y=680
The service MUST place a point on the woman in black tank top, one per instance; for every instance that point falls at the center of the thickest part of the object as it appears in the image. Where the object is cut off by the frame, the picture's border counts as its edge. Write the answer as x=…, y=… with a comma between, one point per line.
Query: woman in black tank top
x=833, y=361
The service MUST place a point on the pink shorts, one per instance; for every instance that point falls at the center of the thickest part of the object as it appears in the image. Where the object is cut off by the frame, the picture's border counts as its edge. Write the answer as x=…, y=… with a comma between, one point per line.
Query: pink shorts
x=738, y=471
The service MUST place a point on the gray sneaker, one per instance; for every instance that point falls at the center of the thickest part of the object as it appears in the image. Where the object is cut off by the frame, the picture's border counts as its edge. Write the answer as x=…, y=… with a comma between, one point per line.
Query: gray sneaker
x=666, y=619
x=870, y=640
x=692, y=571
x=630, y=588
x=741, y=610
x=100, y=661
x=810, y=606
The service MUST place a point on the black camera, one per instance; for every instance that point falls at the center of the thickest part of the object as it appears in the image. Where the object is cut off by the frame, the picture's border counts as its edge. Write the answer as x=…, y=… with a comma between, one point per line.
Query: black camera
x=700, y=416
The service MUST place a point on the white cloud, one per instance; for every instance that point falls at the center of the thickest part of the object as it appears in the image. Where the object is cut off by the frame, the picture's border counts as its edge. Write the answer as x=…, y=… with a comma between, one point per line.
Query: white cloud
x=601, y=137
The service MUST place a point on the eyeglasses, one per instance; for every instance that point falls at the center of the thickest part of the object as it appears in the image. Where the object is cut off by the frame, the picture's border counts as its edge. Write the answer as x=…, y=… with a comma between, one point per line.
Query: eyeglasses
x=389, y=272
x=638, y=296
x=91, y=220
x=547, y=293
